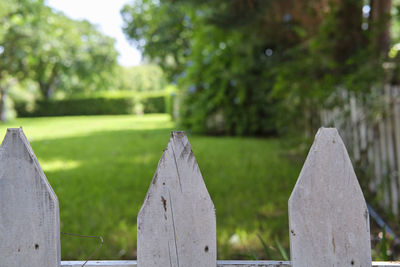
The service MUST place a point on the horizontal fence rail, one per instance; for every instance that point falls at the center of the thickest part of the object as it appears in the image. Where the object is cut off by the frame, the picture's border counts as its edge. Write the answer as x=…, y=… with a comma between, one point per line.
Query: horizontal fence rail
x=176, y=226
x=219, y=264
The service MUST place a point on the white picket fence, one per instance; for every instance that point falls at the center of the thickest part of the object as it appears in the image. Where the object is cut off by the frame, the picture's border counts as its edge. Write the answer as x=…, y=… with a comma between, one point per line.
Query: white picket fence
x=370, y=126
x=176, y=226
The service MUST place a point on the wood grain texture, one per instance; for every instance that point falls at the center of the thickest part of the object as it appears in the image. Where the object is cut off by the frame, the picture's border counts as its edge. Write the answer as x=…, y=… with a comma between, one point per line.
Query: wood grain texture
x=328, y=217
x=176, y=225
x=219, y=264
x=29, y=213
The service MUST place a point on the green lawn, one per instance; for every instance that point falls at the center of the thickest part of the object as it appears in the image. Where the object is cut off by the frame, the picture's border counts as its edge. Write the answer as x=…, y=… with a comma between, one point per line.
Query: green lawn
x=101, y=166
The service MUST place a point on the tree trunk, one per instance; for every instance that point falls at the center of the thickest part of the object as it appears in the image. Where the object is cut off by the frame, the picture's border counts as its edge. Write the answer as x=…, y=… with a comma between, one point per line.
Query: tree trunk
x=380, y=18
x=3, y=95
x=47, y=87
x=2, y=100
x=3, y=91
x=347, y=34
x=44, y=89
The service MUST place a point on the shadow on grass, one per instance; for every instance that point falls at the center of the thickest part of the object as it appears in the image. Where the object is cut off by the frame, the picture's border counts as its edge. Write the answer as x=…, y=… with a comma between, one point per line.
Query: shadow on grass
x=101, y=180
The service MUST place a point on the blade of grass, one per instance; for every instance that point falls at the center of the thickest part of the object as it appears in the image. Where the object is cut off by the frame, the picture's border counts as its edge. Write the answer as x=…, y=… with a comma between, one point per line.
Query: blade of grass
x=281, y=249
x=266, y=248
x=253, y=255
x=384, y=254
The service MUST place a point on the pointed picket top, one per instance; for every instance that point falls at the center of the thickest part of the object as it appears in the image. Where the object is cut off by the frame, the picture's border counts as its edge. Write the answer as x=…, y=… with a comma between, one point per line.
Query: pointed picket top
x=328, y=216
x=176, y=225
x=29, y=214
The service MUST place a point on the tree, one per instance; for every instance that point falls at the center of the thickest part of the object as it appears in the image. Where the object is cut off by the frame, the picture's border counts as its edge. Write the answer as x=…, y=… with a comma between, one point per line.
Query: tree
x=223, y=53
x=162, y=31
x=256, y=66
x=71, y=56
x=143, y=78
x=19, y=20
x=56, y=52
x=380, y=21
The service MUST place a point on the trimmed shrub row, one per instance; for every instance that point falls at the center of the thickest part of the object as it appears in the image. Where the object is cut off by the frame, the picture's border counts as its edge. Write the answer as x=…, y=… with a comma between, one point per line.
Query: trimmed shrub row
x=154, y=104
x=93, y=106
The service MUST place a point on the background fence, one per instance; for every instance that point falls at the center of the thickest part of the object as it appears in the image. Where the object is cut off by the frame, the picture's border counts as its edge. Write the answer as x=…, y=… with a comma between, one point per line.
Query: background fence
x=328, y=217
x=370, y=127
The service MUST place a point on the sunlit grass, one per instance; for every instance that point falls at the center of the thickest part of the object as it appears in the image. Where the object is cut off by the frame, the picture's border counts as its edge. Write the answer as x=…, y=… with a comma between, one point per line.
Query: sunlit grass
x=56, y=165
x=101, y=166
x=46, y=128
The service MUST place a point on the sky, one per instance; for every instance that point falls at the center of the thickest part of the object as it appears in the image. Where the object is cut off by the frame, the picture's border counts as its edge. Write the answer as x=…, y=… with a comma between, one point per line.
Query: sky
x=105, y=14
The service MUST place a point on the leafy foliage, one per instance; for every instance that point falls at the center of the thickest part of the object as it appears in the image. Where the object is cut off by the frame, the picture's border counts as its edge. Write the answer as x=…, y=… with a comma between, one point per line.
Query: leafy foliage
x=161, y=31
x=259, y=67
x=52, y=50
x=144, y=78
x=72, y=55
x=110, y=103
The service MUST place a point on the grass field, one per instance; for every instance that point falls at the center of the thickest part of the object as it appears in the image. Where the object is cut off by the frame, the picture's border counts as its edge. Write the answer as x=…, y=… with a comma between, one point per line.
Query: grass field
x=101, y=166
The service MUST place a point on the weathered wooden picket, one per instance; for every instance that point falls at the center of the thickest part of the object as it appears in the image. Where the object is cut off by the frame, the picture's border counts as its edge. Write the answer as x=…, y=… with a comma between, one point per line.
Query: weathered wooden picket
x=370, y=126
x=328, y=217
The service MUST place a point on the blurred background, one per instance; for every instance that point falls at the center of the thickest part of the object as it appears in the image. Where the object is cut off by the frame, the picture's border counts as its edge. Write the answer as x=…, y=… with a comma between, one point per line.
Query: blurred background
x=102, y=83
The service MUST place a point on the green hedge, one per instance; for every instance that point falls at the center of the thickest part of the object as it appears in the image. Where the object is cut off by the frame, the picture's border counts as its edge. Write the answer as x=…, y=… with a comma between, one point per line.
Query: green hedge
x=154, y=104
x=94, y=106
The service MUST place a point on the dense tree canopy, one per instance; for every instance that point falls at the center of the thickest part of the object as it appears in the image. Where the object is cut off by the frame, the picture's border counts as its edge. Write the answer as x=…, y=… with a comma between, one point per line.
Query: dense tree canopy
x=72, y=55
x=52, y=50
x=254, y=66
x=161, y=31
x=142, y=78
